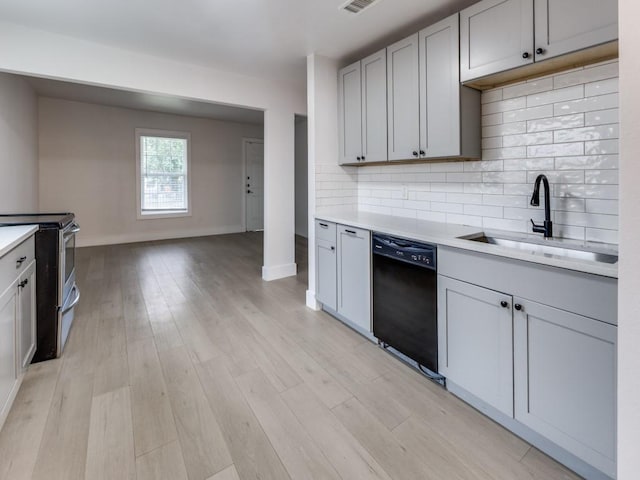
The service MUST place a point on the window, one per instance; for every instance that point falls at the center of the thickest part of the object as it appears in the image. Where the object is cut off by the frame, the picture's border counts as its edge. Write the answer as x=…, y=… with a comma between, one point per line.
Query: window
x=162, y=173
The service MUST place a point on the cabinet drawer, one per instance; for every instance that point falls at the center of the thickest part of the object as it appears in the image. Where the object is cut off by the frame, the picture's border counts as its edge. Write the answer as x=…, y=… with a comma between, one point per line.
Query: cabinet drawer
x=16, y=261
x=326, y=231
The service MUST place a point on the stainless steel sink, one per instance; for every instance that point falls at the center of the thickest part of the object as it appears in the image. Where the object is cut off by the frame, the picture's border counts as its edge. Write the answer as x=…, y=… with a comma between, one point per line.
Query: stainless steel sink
x=546, y=248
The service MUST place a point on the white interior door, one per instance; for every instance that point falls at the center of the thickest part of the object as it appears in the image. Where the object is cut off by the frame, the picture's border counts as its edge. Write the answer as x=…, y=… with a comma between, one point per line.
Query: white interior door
x=254, y=192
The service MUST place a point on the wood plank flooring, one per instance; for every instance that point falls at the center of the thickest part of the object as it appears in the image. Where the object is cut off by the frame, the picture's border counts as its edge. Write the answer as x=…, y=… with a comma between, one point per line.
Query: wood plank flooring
x=183, y=364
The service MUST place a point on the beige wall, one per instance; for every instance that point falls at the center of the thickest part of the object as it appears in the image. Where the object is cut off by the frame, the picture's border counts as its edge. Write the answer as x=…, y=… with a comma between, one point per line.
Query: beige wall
x=629, y=266
x=87, y=165
x=18, y=146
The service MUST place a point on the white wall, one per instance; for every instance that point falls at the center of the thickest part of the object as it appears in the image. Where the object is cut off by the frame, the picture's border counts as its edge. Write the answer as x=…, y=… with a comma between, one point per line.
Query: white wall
x=18, y=146
x=39, y=53
x=87, y=166
x=302, y=170
x=629, y=265
x=563, y=125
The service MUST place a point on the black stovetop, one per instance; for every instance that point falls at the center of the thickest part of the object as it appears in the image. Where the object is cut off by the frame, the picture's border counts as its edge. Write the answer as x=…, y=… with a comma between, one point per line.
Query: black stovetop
x=59, y=220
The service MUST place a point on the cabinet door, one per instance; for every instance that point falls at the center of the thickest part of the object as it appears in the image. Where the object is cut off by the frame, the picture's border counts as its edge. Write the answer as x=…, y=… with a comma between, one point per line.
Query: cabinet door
x=8, y=371
x=326, y=288
x=440, y=89
x=563, y=26
x=494, y=36
x=27, y=316
x=475, y=346
x=565, y=380
x=349, y=114
x=354, y=275
x=374, y=107
x=403, y=116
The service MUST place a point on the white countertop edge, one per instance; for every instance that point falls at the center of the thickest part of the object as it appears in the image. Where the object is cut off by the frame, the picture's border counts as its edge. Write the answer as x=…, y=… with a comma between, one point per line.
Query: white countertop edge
x=11, y=237
x=446, y=234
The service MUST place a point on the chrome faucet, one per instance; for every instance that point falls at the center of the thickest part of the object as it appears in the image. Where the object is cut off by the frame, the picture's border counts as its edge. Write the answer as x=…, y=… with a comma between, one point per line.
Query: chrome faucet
x=547, y=226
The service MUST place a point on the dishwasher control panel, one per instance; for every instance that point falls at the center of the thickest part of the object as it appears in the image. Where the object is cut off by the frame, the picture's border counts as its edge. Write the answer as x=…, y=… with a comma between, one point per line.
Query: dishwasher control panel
x=410, y=251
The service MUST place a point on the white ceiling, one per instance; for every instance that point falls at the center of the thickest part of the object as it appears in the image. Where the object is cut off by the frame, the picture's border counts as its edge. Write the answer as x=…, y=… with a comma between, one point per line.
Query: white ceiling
x=265, y=38
x=142, y=101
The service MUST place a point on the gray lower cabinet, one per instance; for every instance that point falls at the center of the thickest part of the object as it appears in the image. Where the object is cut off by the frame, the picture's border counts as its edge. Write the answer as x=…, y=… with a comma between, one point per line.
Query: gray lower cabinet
x=565, y=380
x=8, y=370
x=354, y=275
x=475, y=346
x=326, y=264
x=362, y=110
x=27, y=316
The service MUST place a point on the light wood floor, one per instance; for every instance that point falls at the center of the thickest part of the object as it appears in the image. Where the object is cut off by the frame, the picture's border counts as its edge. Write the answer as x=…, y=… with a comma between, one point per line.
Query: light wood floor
x=183, y=364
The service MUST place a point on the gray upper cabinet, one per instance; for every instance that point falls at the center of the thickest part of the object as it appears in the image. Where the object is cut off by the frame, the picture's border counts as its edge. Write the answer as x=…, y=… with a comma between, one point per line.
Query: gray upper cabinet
x=362, y=110
x=354, y=276
x=565, y=380
x=499, y=35
x=449, y=112
x=350, y=113
x=403, y=107
x=374, y=107
x=563, y=26
x=495, y=35
x=475, y=347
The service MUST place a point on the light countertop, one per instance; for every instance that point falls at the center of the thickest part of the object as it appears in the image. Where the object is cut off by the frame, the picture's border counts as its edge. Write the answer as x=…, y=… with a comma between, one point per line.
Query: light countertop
x=11, y=237
x=448, y=234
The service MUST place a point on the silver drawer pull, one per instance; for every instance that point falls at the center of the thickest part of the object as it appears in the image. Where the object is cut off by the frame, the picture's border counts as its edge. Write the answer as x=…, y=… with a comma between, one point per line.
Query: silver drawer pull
x=20, y=261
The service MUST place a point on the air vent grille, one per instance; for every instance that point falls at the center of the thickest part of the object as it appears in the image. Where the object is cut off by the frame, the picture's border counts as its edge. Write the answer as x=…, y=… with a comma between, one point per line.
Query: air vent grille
x=357, y=6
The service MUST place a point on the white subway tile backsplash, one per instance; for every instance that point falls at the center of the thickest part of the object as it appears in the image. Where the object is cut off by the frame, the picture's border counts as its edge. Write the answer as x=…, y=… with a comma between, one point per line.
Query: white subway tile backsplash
x=601, y=87
x=608, y=207
x=604, y=177
x=601, y=147
x=601, y=117
x=586, y=75
x=589, y=104
x=555, y=123
x=527, y=88
x=554, y=96
x=532, y=113
x=504, y=129
x=540, y=138
x=601, y=132
x=563, y=125
x=539, y=163
x=574, y=148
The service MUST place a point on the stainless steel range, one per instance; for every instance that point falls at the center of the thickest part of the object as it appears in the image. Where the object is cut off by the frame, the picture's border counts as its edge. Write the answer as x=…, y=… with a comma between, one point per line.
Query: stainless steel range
x=56, y=292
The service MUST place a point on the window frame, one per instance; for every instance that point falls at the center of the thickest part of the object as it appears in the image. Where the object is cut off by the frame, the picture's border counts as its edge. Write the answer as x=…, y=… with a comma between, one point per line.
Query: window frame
x=152, y=132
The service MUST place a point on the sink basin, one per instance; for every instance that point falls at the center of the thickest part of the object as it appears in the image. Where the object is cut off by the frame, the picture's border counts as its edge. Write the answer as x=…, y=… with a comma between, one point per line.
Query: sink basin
x=545, y=249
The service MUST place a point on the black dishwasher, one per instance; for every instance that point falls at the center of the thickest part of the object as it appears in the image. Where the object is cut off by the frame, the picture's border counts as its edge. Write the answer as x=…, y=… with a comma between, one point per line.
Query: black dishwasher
x=405, y=297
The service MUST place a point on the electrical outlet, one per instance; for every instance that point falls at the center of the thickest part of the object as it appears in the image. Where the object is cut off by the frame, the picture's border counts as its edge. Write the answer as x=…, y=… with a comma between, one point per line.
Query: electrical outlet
x=405, y=192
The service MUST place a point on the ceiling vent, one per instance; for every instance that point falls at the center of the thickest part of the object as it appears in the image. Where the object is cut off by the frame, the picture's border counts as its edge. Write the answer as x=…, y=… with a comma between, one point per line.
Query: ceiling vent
x=356, y=6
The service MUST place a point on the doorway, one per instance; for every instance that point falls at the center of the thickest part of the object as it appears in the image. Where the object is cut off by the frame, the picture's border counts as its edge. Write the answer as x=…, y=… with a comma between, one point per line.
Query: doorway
x=254, y=183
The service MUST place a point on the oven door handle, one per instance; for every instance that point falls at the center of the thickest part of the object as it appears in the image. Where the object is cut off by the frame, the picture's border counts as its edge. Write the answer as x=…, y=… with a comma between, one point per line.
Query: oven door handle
x=74, y=229
x=75, y=300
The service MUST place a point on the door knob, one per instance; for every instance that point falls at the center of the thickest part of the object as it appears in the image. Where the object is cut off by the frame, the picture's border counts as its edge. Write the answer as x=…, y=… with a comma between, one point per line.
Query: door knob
x=415, y=154
x=249, y=191
x=539, y=51
x=525, y=55
x=517, y=306
x=421, y=152
x=504, y=304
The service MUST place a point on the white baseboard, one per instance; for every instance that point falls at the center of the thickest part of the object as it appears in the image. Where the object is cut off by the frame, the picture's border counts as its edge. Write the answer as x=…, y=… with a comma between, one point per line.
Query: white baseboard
x=312, y=303
x=83, y=241
x=275, y=272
